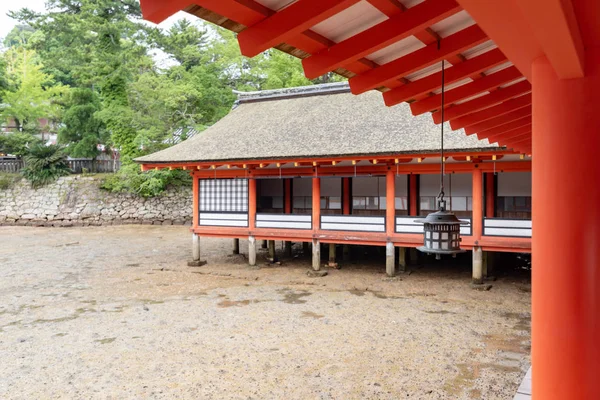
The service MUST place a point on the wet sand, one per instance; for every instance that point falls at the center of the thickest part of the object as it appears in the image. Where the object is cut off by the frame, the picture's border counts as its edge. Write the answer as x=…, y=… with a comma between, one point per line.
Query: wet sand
x=115, y=312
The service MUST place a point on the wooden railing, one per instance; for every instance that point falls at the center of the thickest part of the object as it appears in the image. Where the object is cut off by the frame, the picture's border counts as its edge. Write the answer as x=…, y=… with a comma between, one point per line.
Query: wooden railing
x=507, y=227
x=284, y=221
x=77, y=166
x=11, y=166
x=407, y=224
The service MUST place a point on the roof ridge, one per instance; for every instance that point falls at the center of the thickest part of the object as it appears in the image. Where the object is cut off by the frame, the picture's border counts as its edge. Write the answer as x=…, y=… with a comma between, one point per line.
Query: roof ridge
x=300, y=91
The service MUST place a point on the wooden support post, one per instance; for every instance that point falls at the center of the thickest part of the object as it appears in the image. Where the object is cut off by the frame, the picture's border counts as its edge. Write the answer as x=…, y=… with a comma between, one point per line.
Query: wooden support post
x=484, y=264
x=316, y=254
x=346, y=252
x=402, y=259
x=195, y=247
x=236, y=246
x=287, y=250
x=252, y=251
x=477, y=266
x=390, y=262
x=196, y=254
x=332, y=262
x=272, y=252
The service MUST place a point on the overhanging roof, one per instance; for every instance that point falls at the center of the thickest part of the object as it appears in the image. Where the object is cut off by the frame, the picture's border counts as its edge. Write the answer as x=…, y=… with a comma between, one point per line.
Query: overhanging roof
x=315, y=122
x=396, y=46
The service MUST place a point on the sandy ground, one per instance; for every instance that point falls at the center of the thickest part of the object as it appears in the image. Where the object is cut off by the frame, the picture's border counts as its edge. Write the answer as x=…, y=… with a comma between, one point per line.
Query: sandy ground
x=115, y=313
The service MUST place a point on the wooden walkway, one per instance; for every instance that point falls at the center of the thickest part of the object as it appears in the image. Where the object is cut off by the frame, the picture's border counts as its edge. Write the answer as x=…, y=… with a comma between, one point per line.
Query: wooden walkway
x=524, y=391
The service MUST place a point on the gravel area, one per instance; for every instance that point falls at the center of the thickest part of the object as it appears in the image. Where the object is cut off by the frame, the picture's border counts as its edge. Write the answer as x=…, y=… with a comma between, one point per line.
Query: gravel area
x=115, y=313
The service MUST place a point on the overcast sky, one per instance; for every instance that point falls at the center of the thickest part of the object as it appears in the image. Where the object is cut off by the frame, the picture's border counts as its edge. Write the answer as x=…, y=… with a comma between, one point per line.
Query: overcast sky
x=6, y=23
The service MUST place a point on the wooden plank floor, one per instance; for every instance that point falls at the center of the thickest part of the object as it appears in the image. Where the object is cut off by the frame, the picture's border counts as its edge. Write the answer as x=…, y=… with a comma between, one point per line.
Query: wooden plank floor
x=524, y=391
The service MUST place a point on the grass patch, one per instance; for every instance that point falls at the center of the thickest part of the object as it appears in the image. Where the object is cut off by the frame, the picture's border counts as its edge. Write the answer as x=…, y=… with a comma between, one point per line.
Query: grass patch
x=9, y=180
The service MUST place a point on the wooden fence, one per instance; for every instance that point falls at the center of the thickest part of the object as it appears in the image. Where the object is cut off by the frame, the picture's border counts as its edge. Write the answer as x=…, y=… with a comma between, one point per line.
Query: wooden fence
x=78, y=166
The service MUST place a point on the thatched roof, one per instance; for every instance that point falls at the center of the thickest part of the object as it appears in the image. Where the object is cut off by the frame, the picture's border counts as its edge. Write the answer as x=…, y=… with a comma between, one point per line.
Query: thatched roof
x=313, y=122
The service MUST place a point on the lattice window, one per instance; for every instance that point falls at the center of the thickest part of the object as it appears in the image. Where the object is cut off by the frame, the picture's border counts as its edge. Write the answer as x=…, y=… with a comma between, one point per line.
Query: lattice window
x=223, y=195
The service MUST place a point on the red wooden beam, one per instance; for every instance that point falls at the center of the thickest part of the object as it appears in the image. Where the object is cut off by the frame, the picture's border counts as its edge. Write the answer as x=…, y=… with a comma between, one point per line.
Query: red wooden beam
x=523, y=130
x=555, y=27
x=388, y=74
x=505, y=127
x=380, y=36
x=456, y=73
x=246, y=12
x=488, y=82
x=491, y=112
x=392, y=8
x=499, y=120
x=287, y=23
x=483, y=102
x=512, y=137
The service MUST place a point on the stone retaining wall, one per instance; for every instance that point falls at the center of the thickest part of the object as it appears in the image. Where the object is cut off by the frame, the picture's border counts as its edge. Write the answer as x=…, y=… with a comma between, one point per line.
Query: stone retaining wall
x=79, y=201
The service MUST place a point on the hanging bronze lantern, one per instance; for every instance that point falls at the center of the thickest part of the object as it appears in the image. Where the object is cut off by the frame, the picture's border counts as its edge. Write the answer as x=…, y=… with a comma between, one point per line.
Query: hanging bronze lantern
x=441, y=228
x=441, y=232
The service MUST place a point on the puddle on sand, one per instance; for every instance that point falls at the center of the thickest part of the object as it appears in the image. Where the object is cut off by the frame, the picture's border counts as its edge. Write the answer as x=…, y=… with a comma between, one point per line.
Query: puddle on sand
x=105, y=341
x=440, y=312
x=310, y=314
x=238, y=303
x=357, y=292
x=469, y=373
x=294, y=297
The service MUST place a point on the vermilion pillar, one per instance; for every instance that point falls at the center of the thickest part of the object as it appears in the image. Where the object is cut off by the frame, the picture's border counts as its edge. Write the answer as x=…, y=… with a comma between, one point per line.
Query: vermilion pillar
x=287, y=196
x=346, y=199
x=316, y=203
x=413, y=193
x=490, y=195
x=477, y=203
x=251, y=204
x=196, y=201
x=566, y=232
x=390, y=202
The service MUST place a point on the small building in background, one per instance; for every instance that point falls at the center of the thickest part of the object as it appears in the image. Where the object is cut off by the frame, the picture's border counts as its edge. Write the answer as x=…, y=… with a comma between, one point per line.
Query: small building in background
x=318, y=165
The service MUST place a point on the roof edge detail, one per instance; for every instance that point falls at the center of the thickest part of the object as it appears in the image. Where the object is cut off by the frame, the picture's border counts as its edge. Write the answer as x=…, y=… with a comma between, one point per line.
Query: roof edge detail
x=286, y=93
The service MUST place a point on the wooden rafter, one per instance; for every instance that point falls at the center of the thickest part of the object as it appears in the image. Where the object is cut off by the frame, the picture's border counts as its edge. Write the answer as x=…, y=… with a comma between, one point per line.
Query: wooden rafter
x=379, y=36
x=499, y=120
x=483, y=102
x=468, y=90
x=509, y=126
x=287, y=23
x=491, y=112
x=456, y=73
x=388, y=74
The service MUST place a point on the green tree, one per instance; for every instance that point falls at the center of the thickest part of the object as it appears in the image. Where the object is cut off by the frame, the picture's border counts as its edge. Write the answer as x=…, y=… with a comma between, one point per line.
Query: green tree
x=45, y=164
x=32, y=94
x=82, y=130
x=186, y=42
x=18, y=144
x=19, y=36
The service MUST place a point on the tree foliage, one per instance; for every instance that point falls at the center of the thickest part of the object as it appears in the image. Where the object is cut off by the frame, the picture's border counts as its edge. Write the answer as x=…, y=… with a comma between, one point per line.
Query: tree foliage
x=45, y=164
x=108, y=78
x=82, y=130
